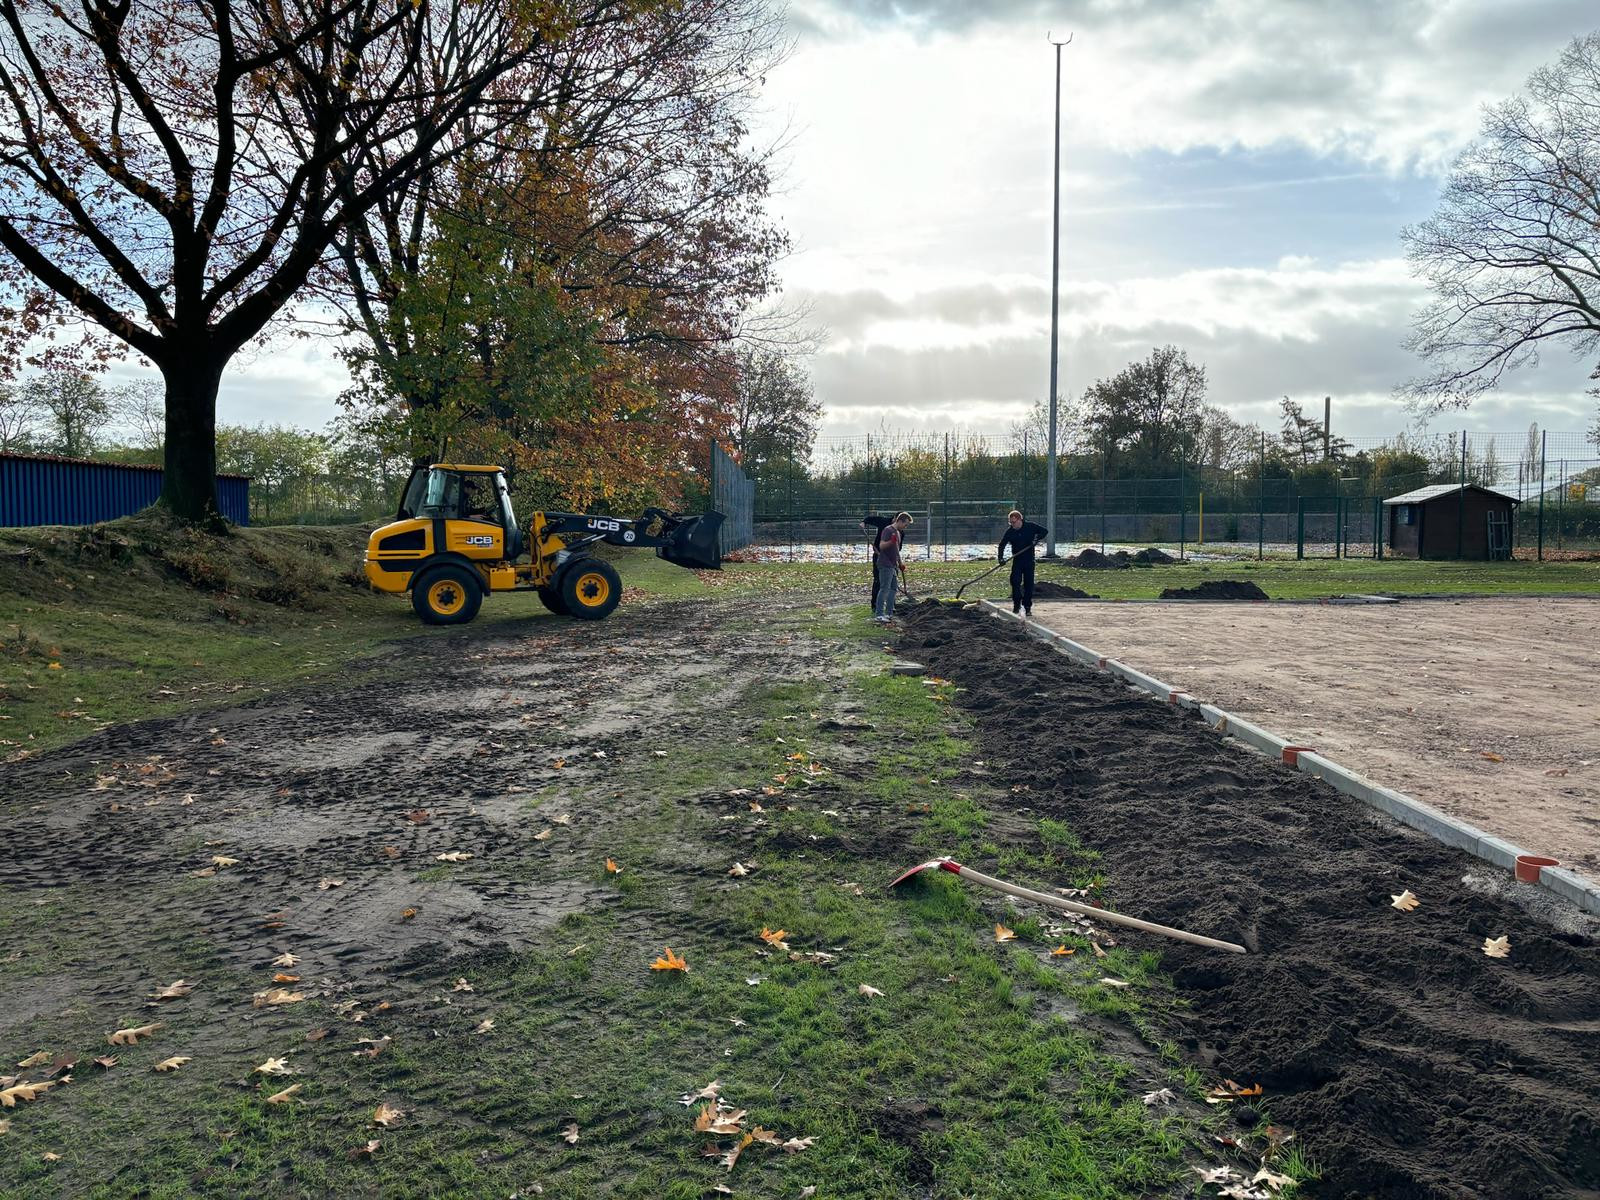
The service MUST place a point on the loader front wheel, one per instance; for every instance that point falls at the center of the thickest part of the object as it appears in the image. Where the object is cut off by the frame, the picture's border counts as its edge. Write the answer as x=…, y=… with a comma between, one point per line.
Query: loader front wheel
x=590, y=589
x=447, y=595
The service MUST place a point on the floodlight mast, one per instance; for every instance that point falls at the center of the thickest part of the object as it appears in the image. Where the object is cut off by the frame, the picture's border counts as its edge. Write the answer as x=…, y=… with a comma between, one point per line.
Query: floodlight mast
x=1055, y=288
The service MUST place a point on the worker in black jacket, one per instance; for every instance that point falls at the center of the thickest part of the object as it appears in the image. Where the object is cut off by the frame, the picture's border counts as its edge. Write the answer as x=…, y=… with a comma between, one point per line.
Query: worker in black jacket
x=1022, y=536
x=873, y=526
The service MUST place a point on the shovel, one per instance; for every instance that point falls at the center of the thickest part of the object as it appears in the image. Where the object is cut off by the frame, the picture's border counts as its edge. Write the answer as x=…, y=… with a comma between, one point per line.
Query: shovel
x=1086, y=910
x=989, y=572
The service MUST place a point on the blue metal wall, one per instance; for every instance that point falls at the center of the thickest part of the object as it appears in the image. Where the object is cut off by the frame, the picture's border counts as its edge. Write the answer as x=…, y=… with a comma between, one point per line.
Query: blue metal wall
x=44, y=490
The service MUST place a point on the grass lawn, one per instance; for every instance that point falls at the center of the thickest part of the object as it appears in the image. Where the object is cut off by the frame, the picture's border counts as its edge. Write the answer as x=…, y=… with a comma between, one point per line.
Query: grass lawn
x=973, y=1068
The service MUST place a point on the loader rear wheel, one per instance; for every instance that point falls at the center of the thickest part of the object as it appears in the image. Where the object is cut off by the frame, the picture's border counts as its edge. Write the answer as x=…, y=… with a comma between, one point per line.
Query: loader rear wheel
x=590, y=589
x=550, y=597
x=447, y=595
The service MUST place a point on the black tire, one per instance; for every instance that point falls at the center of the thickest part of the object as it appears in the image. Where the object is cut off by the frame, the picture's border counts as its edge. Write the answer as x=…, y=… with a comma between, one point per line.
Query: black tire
x=550, y=597
x=448, y=594
x=590, y=589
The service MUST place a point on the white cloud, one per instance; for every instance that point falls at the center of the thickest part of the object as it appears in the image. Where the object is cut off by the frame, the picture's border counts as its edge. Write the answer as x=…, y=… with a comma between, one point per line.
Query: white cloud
x=1297, y=329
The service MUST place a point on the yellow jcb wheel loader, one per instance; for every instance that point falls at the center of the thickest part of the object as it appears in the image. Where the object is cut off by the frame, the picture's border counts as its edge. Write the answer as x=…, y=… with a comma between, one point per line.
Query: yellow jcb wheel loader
x=456, y=538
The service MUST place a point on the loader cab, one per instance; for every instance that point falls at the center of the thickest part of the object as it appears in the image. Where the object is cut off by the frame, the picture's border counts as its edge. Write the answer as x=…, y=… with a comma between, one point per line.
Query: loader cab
x=459, y=492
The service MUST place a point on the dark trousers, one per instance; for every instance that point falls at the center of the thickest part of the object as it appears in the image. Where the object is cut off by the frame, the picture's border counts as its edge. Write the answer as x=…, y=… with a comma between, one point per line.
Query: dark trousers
x=874, y=583
x=1022, y=581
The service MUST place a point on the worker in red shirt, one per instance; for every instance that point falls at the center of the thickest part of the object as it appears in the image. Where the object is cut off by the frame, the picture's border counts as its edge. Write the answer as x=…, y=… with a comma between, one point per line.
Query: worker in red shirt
x=890, y=567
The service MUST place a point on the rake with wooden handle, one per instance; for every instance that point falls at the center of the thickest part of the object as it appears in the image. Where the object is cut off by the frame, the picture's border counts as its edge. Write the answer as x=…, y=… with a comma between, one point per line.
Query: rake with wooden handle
x=1087, y=910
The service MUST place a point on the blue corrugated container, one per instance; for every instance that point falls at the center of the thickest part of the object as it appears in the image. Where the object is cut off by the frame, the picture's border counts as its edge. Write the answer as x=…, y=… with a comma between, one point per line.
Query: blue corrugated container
x=42, y=489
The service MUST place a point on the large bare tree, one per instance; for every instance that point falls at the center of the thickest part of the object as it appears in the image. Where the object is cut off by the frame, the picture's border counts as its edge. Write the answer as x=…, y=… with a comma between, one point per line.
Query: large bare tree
x=1512, y=254
x=172, y=171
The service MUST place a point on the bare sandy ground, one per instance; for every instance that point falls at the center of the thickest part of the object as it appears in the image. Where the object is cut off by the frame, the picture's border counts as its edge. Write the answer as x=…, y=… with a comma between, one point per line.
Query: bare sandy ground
x=1415, y=695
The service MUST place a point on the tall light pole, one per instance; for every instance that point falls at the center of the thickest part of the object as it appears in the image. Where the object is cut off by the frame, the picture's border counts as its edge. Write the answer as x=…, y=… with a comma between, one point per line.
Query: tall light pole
x=1055, y=287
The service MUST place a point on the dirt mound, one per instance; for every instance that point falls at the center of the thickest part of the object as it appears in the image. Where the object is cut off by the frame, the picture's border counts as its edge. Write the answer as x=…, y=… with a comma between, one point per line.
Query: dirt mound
x=1153, y=556
x=1216, y=589
x=1408, y=1062
x=1090, y=559
x=1059, y=591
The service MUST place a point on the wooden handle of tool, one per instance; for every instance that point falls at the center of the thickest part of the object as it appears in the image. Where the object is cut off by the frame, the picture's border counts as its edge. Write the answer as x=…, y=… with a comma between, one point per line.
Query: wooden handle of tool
x=1099, y=914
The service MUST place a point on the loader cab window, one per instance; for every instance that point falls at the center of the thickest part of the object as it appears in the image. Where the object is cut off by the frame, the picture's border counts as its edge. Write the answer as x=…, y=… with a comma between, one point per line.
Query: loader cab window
x=477, y=499
x=441, y=495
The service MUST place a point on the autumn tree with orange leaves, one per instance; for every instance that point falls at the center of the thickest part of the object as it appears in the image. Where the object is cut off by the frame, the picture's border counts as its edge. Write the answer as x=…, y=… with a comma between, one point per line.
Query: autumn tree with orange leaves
x=566, y=300
x=172, y=172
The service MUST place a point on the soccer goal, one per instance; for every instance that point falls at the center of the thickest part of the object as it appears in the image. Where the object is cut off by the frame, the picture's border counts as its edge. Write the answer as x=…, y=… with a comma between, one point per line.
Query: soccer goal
x=965, y=522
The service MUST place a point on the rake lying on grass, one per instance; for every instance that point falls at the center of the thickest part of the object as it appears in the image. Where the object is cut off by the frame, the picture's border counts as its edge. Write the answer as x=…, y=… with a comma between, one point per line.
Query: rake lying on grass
x=1087, y=910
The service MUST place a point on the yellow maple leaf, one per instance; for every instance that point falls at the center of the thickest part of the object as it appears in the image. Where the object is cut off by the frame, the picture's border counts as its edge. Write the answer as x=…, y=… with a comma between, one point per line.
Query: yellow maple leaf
x=670, y=962
x=455, y=856
x=175, y=990
x=774, y=937
x=542, y=836
x=1002, y=934
x=173, y=1063
x=286, y=960
x=1062, y=950
x=275, y=1066
x=1405, y=901
x=1499, y=947
x=35, y=1060
x=866, y=989
x=732, y=1156
x=130, y=1037
x=612, y=868
x=283, y=1096
x=24, y=1091
x=387, y=1114
x=569, y=1134
x=275, y=996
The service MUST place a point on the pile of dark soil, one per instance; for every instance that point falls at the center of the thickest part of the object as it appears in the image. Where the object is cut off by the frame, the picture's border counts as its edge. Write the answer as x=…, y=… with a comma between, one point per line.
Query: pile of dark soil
x=1408, y=1062
x=1091, y=559
x=1153, y=556
x=1059, y=591
x=1216, y=589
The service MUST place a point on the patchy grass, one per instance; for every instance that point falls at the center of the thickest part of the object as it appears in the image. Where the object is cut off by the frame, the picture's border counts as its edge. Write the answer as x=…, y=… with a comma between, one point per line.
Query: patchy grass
x=981, y=1070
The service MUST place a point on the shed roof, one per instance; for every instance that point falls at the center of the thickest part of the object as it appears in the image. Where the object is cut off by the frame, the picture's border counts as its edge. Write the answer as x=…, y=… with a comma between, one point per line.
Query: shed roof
x=100, y=462
x=1434, y=490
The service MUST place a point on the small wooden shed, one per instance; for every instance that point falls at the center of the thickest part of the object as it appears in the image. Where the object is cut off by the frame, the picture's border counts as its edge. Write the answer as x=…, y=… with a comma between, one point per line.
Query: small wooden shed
x=1447, y=520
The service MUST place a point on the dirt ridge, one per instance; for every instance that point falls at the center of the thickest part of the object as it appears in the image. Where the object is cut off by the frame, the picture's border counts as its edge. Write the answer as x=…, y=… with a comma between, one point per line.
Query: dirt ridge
x=1409, y=1062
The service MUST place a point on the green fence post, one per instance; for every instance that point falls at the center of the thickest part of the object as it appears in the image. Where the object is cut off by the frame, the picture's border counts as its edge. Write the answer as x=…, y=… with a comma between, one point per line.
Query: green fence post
x=946, y=497
x=1261, y=502
x=1300, y=528
x=1561, y=505
x=1461, y=500
x=1544, y=442
x=1183, y=509
x=1377, y=527
x=1104, y=451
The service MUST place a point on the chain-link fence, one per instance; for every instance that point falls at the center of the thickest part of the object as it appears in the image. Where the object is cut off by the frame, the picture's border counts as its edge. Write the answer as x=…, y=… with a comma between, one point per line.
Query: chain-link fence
x=1259, y=499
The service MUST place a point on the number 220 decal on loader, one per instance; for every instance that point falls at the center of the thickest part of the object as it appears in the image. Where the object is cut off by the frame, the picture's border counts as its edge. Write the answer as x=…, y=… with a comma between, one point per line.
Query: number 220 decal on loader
x=456, y=538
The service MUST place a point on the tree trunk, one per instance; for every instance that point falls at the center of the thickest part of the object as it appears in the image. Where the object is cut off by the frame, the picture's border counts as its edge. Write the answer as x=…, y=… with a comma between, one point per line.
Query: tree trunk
x=189, y=483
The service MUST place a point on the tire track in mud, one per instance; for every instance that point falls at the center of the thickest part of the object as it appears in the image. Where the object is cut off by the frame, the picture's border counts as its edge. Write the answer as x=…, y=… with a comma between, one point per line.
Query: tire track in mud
x=310, y=792
x=1411, y=1064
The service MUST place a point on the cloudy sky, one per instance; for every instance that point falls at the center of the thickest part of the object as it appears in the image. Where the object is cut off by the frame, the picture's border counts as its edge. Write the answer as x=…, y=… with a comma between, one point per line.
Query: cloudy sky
x=1234, y=177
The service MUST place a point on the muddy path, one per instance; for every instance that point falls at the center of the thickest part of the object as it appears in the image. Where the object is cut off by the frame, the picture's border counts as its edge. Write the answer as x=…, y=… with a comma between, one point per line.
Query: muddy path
x=416, y=853
x=1411, y=1064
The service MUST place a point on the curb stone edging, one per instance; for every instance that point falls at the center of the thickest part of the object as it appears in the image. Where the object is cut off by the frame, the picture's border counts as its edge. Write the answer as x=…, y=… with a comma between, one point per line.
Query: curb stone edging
x=1407, y=810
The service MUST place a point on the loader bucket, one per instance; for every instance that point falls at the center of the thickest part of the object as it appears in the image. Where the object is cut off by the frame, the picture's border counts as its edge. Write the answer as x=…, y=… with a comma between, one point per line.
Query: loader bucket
x=694, y=543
